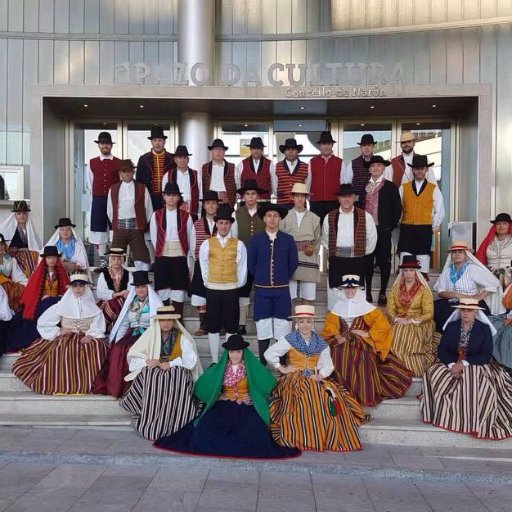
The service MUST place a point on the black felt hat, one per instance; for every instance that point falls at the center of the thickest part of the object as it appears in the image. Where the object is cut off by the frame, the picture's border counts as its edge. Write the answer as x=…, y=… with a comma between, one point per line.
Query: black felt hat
x=50, y=250
x=256, y=143
x=377, y=159
x=172, y=189
x=367, y=138
x=157, y=132
x=182, y=151
x=140, y=278
x=235, y=342
x=291, y=144
x=409, y=261
x=250, y=185
x=20, y=206
x=326, y=138
x=225, y=212
x=104, y=137
x=65, y=222
x=217, y=143
x=419, y=161
x=502, y=217
x=272, y=207
x=211, y=195
x=346, y=189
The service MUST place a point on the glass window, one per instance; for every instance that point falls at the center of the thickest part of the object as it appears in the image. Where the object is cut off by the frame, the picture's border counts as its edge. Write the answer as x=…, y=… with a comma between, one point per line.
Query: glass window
x=352, y=133
x=236, y=136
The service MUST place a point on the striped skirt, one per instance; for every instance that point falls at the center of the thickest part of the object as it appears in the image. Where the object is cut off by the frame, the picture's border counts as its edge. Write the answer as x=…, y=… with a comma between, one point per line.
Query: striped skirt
x=479, y=403
x=312, y=415
x=415, y=346
x=27, y=260
x=111, y=310
x=13, y=290
x=64, y=365
x=365, y=375
x=161, y=400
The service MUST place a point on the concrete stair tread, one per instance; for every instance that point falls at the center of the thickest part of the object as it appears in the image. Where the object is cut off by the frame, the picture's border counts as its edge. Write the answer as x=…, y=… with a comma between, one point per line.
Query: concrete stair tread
x=24, y=395
x=66, y=420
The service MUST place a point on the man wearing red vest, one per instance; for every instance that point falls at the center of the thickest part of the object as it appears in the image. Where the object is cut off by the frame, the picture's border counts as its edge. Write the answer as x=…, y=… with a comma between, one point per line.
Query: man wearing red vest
x=326, y=177
x=154, y=165
x=129, y=210
x=103, y=173
x=188, y=181
x=356, y=171
x=256, y=168
x=172, y=233
x=219, y=174
x=288, y=172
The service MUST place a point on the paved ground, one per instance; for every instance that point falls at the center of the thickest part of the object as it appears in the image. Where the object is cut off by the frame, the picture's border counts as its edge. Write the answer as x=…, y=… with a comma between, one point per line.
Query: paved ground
x=61, y=470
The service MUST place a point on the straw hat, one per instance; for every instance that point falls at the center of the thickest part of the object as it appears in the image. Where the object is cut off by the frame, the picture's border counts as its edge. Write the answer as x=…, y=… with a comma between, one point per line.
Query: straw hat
x=304, y=311
x=468, y=304
x=458, y=245
x=300, y=188
x=79, y=279
x=166, y=313
x=407, y=136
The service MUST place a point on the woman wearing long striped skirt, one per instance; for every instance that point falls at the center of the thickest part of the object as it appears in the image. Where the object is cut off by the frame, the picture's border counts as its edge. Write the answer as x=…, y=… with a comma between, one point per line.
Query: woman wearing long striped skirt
x=466, y=392
x=360, y=337
x=163, y=364
x=308, y=410
x=72, y=349
x=411, y=309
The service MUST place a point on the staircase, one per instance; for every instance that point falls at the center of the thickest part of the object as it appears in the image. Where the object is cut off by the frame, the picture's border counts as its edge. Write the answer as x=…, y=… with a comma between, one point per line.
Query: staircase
x=394, y=422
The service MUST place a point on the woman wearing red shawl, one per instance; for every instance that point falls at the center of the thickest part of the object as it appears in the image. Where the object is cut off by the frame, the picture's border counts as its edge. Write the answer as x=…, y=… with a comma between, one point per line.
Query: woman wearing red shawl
x=44, y=289
x=495, y=252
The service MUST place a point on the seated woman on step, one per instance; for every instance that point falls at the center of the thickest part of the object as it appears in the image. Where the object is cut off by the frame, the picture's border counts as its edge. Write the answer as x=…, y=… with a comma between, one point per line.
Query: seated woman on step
x=235, y=419
x=12, y=278
x=72, y=347
x=465, y=392
x=502, y=340
x=5, y=321
x=112, y=286
x=411, y=310
x=464, y=277
x=360, y=337
x=135, y=317
x=308, y=410
x=164, y=365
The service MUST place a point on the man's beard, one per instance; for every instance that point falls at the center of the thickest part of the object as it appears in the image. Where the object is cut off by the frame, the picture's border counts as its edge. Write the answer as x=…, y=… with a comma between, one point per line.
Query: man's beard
x=407, y=151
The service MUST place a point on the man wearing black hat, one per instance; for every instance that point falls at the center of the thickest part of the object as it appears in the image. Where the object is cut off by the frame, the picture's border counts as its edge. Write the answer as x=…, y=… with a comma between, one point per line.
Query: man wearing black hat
x=256, y=168
x=272, y=260
x=223, y=260
x=289, y=171
x=423, y=213
x=247, y=224
x=326, y=177
x=382, y=201
x=219, y=175
x=188, y=181
x=204, y=228
x=103, y=173
x=129, y=209
x=152, y=166
x=171, y=233
x=348, y=235
x=356, y=171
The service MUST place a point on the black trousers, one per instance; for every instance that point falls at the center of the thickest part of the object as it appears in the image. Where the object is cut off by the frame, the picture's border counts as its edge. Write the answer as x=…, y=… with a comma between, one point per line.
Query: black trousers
x=222, y=311
x=322, y=208
x=382, y=255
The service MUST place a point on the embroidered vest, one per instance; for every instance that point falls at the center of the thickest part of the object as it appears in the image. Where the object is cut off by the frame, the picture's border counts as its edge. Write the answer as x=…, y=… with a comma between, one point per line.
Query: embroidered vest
x=223, y=267
x=359, y=231
x=302, y=361
x=105, y=173
x=285, y=180
x=123, y=284
x=398, y=165
x=194, y=187
x=229, y=180
x=361, y=174
x=51, y=288
x=161, y=226
x=202, y=233
x=325, y=178
x=261, y=175
x=140, y=205
x=239, y=392
x=417, y=210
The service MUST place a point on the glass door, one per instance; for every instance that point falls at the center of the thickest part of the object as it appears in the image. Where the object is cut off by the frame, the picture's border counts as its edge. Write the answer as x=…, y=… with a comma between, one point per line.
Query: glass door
x=237, y=135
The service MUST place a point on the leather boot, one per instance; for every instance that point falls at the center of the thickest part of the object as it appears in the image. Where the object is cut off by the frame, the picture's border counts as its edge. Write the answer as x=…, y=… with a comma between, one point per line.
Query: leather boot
x=178, y=308
x=262, y=347
x=201, y=331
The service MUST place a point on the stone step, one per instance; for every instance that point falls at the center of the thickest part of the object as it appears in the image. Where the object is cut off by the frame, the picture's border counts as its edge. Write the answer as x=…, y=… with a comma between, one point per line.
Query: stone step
x=117, y=421
x=401, y=408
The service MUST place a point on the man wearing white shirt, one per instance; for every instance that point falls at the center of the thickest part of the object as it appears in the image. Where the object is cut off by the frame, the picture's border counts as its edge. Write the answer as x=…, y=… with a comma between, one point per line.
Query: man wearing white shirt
x=171, y=233
x=189, y=182
x=129, y=209
x=348, y=236
x=423, y=213
x=223, y=260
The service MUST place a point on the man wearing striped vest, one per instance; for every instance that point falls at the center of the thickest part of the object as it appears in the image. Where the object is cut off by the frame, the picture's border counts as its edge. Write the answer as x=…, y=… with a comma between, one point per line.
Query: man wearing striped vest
x=423, y=213
x=223, y=260
x=171, y=233
x=289, y=171
x=219, y=175
x=188, y=181
x=204, y=228
x=129, y=210
x=356, y=171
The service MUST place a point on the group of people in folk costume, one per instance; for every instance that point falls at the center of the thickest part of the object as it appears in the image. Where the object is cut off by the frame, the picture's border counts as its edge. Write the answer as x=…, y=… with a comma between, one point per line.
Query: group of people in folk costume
x=128, y=340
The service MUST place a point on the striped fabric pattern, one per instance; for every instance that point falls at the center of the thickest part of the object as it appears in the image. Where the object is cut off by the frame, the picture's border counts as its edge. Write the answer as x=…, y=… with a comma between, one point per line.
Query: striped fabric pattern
x=479, y=403
x=64, y=365
x=161, y=400
x=111, y=310
x=363, y=373
x=301, y=418
x=27, y=261
x=13, y=290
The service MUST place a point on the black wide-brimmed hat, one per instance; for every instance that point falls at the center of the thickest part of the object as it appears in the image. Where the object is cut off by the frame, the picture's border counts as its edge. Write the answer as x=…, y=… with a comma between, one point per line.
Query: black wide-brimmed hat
x=65, y=222
x=256, y=143
x=116, y=251
x=235, y=342
x=50, y=250
x=140, y=278
x=217, y=143
x=182, y=151
x=346, y=189
x=272, y=207
x=326, y=138
x=377, y=159
x=157, y=132
x=367, y=138
x=225, y=212
x=211, y=195
x=172, y=189
x=250, y=185
x=419, y=161
x=20, y=206
x=502, y=217
x=410, y=261
x=291, y=144
x=104, y=137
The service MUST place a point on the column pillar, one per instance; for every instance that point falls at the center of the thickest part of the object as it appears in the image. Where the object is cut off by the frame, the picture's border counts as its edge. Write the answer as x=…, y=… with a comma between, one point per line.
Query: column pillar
x=196, y=133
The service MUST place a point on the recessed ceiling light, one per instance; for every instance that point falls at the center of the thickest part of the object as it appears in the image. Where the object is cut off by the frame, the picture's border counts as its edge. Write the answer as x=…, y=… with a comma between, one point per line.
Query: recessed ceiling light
x=300, y=125
x=141, y=106
x=302, y=107
x=85, y=105
x=362, y=124
x=372, y=106
x=434, y=105
x=246, y=125
x=417, y=124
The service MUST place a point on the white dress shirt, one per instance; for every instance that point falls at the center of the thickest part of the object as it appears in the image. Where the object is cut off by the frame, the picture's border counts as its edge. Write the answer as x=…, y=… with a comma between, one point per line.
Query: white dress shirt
x=171, y=228
x=438, y=210
x=183, y=182
x=127, y=202
x=217, y=178
x=300, y=216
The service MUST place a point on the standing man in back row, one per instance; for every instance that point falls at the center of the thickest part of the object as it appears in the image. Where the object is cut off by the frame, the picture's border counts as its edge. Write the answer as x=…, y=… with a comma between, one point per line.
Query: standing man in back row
x=219, y=175
x=356, y=171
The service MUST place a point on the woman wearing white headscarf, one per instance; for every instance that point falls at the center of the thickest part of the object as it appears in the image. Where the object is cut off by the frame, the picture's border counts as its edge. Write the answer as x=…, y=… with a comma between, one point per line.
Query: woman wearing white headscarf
x=164, y=365
x=465, y=392
x=134, y=319
x=72, y=347
x=463, y=276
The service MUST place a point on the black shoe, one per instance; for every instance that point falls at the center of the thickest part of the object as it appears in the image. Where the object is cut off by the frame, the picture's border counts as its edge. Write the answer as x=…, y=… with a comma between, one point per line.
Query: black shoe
x=369, y=298
x=242, y=331
x=382, y=300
